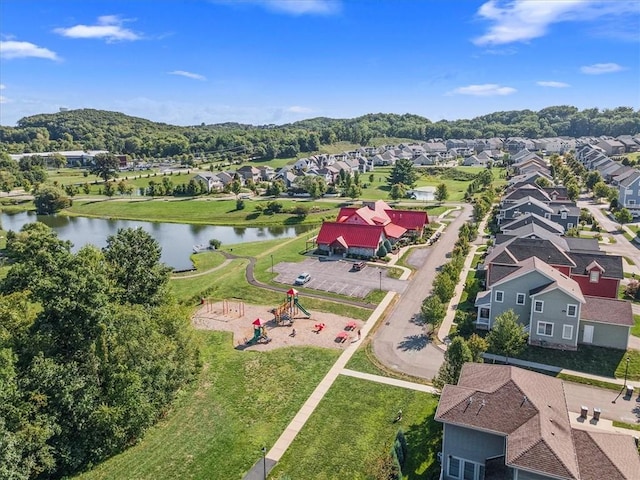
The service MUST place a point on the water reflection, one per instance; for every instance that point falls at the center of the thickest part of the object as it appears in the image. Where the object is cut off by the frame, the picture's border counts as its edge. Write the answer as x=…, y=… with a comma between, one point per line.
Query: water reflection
x=176, y=239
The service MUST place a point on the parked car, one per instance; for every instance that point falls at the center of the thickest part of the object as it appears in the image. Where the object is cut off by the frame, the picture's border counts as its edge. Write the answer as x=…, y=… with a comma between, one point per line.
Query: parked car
x=302, y=278
x=359, y=265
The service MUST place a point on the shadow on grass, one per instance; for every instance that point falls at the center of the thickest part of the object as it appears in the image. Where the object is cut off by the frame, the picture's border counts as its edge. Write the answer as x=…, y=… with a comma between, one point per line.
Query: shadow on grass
x=414, y=342
x=294, y=220
x=425, y=441
x=252, y=216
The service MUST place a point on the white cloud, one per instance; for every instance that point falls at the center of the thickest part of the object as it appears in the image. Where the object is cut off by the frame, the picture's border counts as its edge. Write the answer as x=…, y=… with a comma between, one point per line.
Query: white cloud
x=600, y=68
x=109, y=27
x=3, y=99
x=193, y=76
x=523, y=20
x=14, y=49
x=298, y=109
x=552, y=84
x=2, y=86
x=293, y=7
x=486, y=90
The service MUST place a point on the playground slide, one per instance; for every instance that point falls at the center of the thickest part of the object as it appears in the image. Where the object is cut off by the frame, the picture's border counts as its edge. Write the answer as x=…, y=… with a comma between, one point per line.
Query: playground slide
x=302, y=309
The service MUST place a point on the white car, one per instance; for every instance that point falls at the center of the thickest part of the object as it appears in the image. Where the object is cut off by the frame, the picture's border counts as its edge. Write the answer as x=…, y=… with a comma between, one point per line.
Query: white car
x=302, y=279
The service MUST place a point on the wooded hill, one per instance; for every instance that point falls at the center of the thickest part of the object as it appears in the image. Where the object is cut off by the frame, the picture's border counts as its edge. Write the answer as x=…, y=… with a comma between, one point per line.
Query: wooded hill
x=119, y=133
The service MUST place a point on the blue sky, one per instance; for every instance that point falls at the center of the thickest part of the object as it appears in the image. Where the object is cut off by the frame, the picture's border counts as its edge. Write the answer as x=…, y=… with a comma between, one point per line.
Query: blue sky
x=277, y=61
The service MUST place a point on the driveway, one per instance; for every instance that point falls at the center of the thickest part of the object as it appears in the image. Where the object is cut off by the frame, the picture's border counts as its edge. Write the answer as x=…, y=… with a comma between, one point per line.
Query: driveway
x=624, y=410
x=338, y=276
x=401, y=343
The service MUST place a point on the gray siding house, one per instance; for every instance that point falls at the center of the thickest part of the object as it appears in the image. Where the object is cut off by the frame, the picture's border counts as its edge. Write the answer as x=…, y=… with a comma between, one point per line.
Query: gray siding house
x=503, y=422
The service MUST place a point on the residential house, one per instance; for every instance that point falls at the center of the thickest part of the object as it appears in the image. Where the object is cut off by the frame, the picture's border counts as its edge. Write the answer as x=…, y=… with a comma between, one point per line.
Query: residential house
x=630, y=145
x=612, y=146
x=629, y=192
x=474, y=161
x=249, y=172
x=551, y=305
x=515, y=144
x=532, y=219
x=501, y=422
x=425, y=160
x=527, y=204
x=267, y=173
x=211, y=180
x=434, y=147
x=529, y=190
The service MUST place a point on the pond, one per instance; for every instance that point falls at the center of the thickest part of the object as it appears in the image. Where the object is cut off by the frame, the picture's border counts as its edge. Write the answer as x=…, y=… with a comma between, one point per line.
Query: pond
x=176, y=239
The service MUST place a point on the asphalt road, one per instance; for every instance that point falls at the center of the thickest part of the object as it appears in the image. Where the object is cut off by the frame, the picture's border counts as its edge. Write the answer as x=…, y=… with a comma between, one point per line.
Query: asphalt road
x=400, y=343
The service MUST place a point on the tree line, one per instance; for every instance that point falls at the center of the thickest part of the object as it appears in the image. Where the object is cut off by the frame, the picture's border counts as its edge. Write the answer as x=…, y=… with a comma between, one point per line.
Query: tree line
x=90, y=129
x=92, y=350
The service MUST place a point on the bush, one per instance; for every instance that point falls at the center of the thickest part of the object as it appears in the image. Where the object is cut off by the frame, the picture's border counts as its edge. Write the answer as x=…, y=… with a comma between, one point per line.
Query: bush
x=239, y=204
x=215, y=243
x=382, y=251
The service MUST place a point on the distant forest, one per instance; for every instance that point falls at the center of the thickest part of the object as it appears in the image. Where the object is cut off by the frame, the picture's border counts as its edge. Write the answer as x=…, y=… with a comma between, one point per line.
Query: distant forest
x=89, y=129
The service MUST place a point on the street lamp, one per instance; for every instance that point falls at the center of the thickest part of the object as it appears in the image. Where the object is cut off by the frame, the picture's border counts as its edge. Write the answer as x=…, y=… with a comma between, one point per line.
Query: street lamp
x=264, y=462
x=380, y=272
x=271, y=263
x=626, y=370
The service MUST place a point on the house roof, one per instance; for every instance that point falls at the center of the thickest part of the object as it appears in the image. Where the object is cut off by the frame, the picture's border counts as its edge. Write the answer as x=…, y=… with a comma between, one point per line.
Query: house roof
x=394, y=231
x=529, y=201
x=520, y=249
x=629, y=180
x=529, y=408
x=556, y=279
x=528, y=190
x=612, y=264
x=354, y=235
x=409, y=219
x=603, y=455
x=607, y=310
x=530, y=217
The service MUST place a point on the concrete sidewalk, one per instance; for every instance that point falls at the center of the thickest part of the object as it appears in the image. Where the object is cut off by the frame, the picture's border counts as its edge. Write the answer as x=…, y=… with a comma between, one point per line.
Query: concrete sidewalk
x=390, y=381
x=286, y=438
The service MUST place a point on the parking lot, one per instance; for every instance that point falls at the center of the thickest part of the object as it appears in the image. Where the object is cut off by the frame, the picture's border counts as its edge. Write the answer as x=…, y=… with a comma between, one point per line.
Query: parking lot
x=338, y=276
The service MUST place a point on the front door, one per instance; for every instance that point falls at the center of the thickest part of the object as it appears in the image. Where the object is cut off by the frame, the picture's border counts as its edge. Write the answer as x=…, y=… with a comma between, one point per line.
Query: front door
x=587, y=335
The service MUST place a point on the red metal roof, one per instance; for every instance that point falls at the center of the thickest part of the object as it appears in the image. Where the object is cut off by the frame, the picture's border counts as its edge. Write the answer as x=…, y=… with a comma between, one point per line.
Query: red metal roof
x=409, y=219
x=394, y=231
x=365, y=236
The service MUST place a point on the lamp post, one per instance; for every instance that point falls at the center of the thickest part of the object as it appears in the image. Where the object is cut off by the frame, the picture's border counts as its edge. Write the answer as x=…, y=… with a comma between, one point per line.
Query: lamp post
x=380, y=272
x=271, y=263
x=626, y=370
x=264, y=462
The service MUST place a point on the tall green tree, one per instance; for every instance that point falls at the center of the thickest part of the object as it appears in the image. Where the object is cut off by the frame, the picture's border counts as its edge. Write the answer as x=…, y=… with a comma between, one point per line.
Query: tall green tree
x=105, y=166
x=441, y=193
x=134, y=264
x=403, y=172
x=457, y=354
x=507, y=337
x=49, y=199
x=398, y=190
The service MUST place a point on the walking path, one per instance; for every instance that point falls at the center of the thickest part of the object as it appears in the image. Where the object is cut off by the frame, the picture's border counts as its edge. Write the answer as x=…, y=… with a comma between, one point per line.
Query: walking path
x=390, y=381
x=286, y=438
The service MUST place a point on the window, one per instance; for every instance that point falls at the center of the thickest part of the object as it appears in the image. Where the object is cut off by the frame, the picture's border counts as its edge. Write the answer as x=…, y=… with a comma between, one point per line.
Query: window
x=538, y=306
x=572, y=310
x=499, y=296
x=483, y=317
x=464, y=469
x=594, y=276
x=569, y=225
x=563, y=215
x=454, y=467
x=520, y=298
x=547, y=216
x=567, y=332
x=545, y=329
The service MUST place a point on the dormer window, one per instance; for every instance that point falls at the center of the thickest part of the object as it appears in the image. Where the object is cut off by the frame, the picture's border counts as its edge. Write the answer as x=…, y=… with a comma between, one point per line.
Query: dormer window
x=563, y=215
x=594, y=276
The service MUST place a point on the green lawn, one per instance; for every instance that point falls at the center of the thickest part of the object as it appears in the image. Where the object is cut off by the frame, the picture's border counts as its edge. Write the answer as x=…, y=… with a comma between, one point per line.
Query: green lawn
x=635, y=330
x=242, y=401
x=205, y=210
x=605, y=362
x=353, y=426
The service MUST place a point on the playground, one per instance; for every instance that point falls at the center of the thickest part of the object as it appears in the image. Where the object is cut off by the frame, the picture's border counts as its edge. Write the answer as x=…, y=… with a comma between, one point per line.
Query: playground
x=263, y=327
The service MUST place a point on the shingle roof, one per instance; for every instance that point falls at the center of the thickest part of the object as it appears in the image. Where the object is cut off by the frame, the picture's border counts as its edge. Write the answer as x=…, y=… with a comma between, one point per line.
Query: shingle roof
x=529, y=408
x=607, y=456
x=528, y=200
x=612, y=264
x=607, y=310
x=522, y=248
x=528, y=190
x=530, y=217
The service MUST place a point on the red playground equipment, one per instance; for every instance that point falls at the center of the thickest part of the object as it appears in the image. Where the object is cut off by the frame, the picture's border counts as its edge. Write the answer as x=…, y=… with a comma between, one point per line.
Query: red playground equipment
x=286, y=312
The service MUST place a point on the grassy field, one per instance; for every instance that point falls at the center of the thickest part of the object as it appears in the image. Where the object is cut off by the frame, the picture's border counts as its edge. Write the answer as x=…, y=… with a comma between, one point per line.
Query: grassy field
x=635, y=330
x=352, y=427
x=606, y=362
x=201, y=211
x=242, y=401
